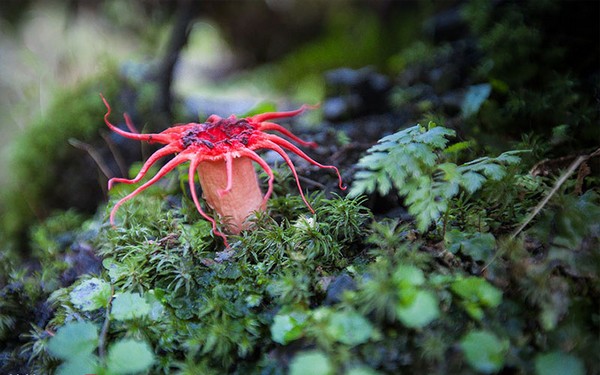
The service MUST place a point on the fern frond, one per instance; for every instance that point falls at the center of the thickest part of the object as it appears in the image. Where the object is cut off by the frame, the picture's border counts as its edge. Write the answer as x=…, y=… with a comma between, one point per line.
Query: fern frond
x=412, y=161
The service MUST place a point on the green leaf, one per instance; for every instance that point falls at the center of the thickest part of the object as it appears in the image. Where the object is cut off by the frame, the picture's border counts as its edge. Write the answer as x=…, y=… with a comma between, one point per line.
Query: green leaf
x=476, y=95
x=384, y=185
x=115, y=270
x=471, y=181
x=436, y=137
x=450, y=171
x=558, y=363
x=405, y=275
x=479, y=246
x=129, y=356
x=311, y=362
x=510, y=157
x=157, y=308
x=73, y=340
x=350, y=328
x=91, y=294
x=129, y=306
x=361, y=370
x=421, y=153
x=288, y=327
x=493, y=171
x=365, y=186
x=85, y=364
x=422, y=310
x=477, y=292
x=484, y=351
x=458, y=147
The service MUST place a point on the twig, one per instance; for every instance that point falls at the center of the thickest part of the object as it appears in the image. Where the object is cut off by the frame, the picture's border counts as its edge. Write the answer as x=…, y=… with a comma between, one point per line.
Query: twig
x=312, y=182
x=574, y=165
x=93, y=153
x=117, y=155
x=104, y=332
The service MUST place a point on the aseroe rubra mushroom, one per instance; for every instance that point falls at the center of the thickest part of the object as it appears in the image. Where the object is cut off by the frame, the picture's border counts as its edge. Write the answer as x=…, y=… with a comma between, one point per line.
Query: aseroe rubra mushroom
x=222, y=152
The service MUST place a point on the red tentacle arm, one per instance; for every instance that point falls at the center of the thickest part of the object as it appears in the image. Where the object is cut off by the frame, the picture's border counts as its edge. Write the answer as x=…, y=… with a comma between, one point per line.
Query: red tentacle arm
x=229, y=172
x=161, y=138
x=129, y=124
x=283, y=143
x=178, y=129
x=163, y=171
x=254, y=156
x=273, y=115
x=287, y=133
x=273, y=146
x=167, y=150
x=191, y=173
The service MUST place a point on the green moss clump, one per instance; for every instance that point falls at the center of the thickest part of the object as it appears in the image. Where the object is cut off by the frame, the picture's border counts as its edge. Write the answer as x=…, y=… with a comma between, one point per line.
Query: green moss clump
x=48, y=172
x=341, y=287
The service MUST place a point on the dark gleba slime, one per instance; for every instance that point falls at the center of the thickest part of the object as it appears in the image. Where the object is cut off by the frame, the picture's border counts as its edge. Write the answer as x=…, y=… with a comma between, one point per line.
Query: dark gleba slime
x=221, y=150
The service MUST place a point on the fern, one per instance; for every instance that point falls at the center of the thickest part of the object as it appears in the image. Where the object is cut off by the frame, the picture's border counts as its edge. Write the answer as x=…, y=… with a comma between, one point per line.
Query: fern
x=412, y=161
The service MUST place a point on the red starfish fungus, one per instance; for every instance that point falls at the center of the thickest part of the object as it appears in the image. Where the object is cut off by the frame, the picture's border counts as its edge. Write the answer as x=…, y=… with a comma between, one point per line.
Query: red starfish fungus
x=221, y=151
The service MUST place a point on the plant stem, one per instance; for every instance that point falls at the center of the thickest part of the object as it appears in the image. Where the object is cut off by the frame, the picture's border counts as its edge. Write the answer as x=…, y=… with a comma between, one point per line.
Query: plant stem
x=557, y=186
x=104, y=331
x=546, y=199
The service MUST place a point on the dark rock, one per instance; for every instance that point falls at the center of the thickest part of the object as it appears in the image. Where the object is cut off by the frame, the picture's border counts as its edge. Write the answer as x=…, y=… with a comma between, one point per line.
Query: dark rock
x=82, y=260
x=337, y=287
x=448, y=25
x=354, y=93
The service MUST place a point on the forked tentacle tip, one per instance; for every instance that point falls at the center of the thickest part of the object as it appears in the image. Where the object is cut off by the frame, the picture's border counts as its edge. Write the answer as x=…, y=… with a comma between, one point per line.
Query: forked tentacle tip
x=105, y=101
x=223, y=237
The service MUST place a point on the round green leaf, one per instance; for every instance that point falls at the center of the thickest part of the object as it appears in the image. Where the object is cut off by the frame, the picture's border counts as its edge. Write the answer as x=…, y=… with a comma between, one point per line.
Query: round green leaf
x=129, y=356
x=91, y=294
x=558, y=363
x=361, y=370
x=421, y=310
x=311, y=362
x=350, y=328
x=287, y=327
x=129, y=306
x=476, y=293
x=408, y=276
x=73, y=340
x=79, y=365
x=484, y=351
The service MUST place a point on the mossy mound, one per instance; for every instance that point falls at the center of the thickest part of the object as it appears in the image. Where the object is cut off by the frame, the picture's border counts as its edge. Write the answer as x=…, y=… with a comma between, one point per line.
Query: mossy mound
x=55, y=161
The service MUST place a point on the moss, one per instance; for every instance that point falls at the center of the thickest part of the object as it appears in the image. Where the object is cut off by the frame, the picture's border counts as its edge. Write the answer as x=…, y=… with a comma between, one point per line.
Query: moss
x=355, y=292
x=340, y=282
x=48, y=172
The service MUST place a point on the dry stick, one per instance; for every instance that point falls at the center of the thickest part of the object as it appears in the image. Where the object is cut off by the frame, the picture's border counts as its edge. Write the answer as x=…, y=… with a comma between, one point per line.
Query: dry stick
x=104, y=332
x=544, y=201
x=93, y=153
x=117, y=155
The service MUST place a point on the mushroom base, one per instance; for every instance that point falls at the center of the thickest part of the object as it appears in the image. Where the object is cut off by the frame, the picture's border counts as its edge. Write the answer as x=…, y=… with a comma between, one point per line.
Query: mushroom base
x=236, y=205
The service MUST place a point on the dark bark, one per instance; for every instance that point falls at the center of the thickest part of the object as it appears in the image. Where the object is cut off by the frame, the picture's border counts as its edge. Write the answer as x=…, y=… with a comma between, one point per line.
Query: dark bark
x=184, y=17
